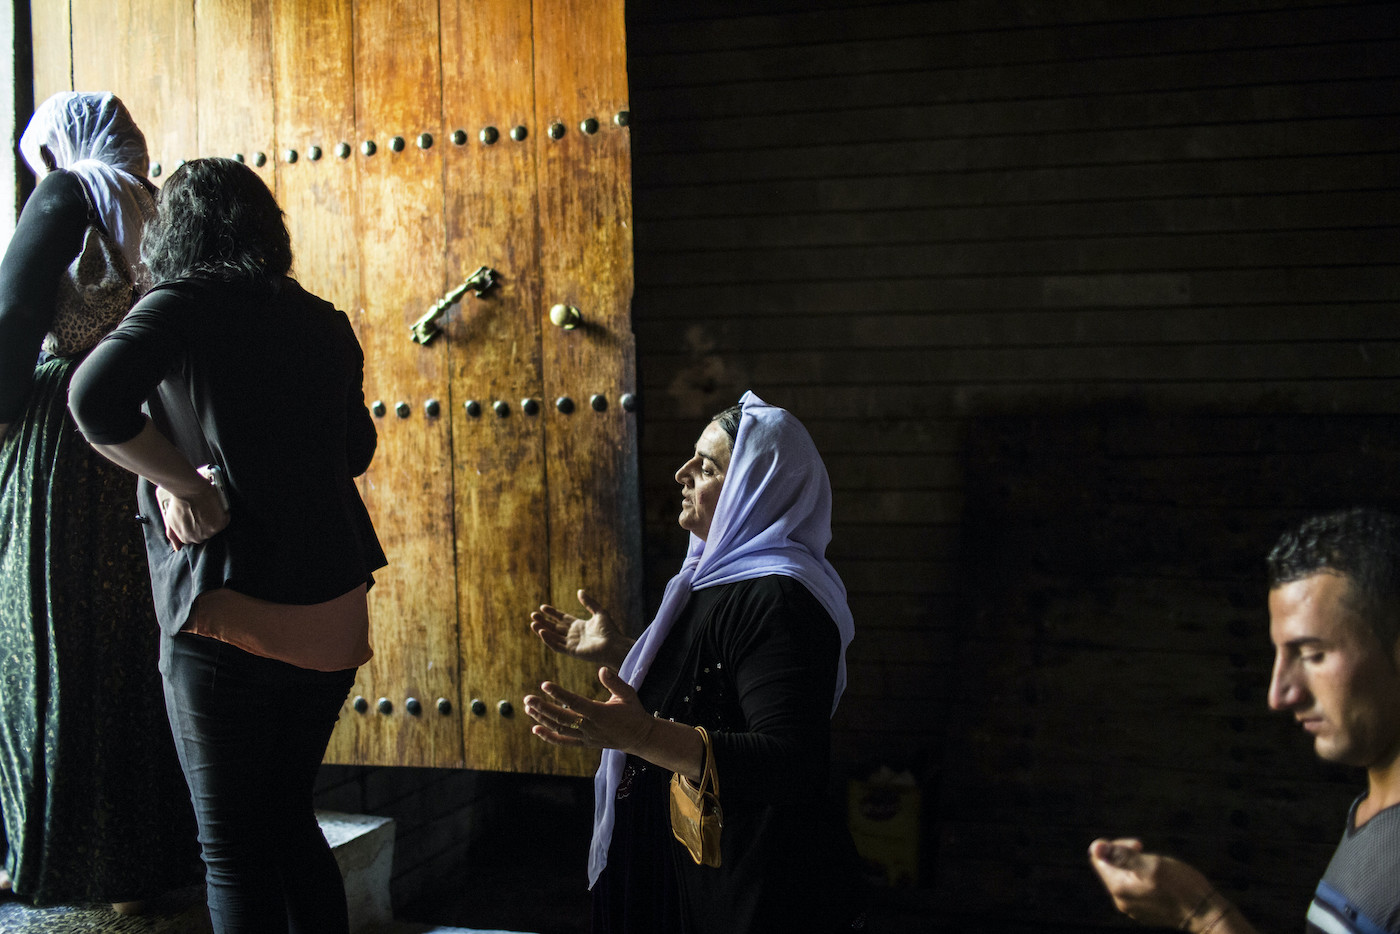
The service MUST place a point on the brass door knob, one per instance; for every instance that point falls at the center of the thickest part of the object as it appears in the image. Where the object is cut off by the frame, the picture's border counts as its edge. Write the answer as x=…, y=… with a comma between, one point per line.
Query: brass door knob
x=565, y=316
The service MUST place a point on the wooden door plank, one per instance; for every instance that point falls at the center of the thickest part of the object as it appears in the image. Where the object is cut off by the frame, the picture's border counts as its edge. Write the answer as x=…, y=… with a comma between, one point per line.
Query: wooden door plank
x=315, y=106
x=501, y=505
x=50, y=29
x=586, y=261
x=152, y=68
x=234, y=91
x=413, y=611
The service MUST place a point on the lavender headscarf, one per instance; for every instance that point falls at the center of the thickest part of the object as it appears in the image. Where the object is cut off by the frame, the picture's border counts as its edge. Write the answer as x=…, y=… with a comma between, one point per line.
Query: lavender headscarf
x=93, y=136
x=773, y=517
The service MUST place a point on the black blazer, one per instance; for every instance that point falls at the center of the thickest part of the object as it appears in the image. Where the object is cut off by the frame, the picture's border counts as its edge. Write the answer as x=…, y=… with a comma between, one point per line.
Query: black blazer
x=268, y=384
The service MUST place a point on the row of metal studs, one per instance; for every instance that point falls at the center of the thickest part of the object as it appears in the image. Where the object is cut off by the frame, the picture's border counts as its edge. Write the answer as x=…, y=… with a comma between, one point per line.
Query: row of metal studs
x=488, y=136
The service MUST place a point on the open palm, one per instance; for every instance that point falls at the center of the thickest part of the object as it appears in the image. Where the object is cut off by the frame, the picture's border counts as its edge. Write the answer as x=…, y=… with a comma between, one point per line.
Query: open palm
x=594, y=638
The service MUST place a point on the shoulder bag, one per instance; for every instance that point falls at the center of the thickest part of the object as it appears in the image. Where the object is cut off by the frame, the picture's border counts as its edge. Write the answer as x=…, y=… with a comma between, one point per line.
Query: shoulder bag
x=696, y=817
x=94, y=293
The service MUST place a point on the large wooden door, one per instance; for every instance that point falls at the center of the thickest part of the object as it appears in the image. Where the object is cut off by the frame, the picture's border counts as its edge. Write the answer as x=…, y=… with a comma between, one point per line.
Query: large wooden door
x=411, y=142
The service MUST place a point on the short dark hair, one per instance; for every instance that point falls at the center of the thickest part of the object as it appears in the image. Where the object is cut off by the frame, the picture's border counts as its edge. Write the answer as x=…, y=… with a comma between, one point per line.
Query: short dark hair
x=1363, y=545
x=729, y=421
x=217, y=220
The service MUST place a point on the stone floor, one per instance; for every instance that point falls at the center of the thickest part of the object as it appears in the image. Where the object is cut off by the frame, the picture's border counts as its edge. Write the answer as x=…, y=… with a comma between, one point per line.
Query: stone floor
x=909, y=912
x=182, y=913
x=496, y=890
x=169, y=918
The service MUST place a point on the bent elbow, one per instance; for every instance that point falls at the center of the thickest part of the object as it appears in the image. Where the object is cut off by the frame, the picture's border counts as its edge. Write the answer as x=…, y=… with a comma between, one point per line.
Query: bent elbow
x=84, y=404
x=359, y=452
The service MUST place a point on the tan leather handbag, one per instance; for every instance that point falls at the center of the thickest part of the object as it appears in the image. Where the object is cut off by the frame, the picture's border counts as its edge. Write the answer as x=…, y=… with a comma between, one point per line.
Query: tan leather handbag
x=696, y=817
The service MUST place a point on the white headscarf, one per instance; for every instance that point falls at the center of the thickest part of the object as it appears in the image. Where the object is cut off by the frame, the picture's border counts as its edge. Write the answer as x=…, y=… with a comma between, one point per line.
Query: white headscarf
x=773, y=516
x=93, y=136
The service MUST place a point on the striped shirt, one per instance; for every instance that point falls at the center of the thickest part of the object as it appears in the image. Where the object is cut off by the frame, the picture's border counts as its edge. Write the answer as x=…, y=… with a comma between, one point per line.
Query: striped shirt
x=1360, y=892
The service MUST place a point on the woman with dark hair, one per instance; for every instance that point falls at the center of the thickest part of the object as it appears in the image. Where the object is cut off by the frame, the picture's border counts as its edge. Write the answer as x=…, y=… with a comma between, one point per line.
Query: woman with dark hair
x=260, y=548
x=749, y=643
x=94, y=808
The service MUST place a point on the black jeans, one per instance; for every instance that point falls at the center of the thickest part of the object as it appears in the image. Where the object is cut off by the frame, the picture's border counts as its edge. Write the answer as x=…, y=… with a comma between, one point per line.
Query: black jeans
x=251, y=732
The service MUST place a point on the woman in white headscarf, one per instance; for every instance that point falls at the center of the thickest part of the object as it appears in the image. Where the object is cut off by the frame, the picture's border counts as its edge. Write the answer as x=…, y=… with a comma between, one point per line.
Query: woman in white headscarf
x=749, y=643
x=94, y=804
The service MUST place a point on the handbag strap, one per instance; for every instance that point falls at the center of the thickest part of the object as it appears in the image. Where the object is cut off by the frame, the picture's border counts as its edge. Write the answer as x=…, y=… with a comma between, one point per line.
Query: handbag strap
x=710, y=775
x=93, y=218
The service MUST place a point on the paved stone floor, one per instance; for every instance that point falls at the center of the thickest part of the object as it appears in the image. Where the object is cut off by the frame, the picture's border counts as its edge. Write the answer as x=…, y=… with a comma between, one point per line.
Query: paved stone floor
x=182, y=913
x=903, y=913
x=16, y=918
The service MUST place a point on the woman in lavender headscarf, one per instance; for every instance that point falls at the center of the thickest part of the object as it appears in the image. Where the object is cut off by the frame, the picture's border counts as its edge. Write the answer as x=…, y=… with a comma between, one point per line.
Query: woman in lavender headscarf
x=94, y=805
x=749, y=642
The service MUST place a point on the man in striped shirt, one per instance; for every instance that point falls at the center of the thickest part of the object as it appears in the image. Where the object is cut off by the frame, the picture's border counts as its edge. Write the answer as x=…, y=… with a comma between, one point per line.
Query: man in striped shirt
x=1334, y=618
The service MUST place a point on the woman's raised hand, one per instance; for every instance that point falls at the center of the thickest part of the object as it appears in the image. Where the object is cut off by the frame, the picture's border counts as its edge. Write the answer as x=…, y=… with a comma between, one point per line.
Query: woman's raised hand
x=564, y=718
x=595, y=639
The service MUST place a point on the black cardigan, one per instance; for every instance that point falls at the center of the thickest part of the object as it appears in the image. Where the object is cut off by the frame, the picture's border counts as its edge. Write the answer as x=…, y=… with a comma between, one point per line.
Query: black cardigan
x=275, y=381
x=47, y=237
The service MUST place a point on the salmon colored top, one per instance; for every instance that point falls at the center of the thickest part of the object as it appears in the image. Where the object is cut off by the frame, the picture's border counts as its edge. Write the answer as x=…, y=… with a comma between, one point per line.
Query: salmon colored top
x=330, y=636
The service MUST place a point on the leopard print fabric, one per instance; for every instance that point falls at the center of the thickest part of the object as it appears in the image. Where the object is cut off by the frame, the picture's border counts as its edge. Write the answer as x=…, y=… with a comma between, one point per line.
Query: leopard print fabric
x=93, y=296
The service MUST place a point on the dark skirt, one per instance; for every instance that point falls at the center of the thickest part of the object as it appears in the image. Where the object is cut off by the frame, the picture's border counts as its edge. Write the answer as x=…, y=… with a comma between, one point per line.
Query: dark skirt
x=95, y=808
x=782, y=869
x=638, y=891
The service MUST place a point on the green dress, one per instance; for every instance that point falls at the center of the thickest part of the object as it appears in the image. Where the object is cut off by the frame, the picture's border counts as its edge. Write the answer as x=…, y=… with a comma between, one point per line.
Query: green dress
x=94, y=804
